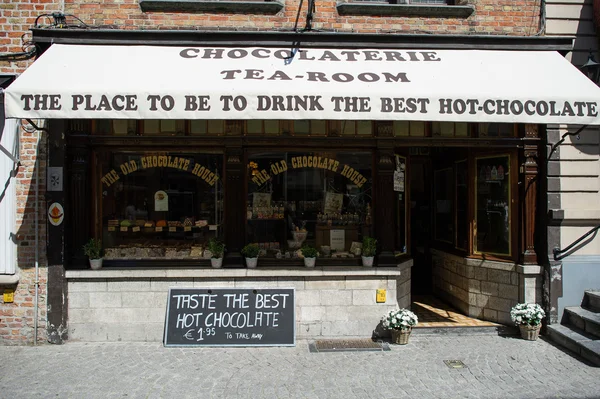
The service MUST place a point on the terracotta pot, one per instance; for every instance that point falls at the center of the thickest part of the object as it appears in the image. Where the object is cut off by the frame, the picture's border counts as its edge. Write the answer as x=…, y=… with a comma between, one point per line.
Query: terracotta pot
x=400, y=337
x=530, y=333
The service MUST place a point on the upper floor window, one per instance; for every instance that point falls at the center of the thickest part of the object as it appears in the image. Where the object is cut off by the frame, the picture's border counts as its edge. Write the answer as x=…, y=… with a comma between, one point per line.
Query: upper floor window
x=416, y=8
x=235, y=6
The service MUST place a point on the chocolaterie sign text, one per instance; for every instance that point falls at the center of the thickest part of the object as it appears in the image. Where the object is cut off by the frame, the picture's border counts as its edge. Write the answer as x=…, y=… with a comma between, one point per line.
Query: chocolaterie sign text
x=226, y=317
x=298, y=84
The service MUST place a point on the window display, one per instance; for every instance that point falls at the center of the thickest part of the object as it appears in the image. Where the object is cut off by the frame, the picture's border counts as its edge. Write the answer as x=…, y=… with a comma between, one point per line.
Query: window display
x=159, y=205
x=492, y=212
x=321, y=199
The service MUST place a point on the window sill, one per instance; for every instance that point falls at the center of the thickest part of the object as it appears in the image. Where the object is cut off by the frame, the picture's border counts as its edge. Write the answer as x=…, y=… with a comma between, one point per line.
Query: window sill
x=174, y=273
x=233, y=7
x=404, y=10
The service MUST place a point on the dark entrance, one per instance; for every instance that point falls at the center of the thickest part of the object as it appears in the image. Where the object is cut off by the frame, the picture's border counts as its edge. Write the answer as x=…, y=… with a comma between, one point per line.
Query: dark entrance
x=421, y=223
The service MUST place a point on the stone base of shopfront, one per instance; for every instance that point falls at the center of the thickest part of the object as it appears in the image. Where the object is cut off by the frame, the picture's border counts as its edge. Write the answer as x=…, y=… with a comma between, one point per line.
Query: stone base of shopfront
x=130, y=305
x=485, y=289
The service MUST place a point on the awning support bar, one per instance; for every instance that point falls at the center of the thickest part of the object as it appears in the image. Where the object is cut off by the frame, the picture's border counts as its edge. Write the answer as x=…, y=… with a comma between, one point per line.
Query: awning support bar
x=36, y=126
x=15, y=160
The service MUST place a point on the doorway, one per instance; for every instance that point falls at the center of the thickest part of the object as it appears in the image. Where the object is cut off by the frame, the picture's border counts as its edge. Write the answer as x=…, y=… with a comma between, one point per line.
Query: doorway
x=420, y=177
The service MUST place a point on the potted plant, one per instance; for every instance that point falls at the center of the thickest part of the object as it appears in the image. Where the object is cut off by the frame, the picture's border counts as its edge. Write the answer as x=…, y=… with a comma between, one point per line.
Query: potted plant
x=93, y=249
x=528, y=316
x=250, y=252
x=216, y=248
x=369, y=248
x=310, y=255
x=400, y=322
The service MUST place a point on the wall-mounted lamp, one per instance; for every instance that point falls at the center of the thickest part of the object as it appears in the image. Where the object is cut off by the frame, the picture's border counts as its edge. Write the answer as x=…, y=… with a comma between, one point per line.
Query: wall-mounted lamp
x=591, y=68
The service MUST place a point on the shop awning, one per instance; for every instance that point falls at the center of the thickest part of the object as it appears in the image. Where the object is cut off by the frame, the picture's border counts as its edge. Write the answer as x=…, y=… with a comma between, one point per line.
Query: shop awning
x=153, y=82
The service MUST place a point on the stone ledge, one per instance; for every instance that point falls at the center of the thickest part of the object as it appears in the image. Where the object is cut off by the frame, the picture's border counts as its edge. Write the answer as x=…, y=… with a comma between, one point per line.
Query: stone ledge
x=9, y=279
x=476, y=262
x=404, y=10
x=233, y=7
x=233, y=273
x=529, y=269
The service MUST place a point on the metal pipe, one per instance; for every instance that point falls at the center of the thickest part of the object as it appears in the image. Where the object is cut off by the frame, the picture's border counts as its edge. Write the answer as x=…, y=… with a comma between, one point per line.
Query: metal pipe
x=37, y=254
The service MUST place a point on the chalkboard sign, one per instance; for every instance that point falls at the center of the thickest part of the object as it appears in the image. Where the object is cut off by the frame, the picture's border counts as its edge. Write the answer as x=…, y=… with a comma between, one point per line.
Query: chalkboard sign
x=230, y=317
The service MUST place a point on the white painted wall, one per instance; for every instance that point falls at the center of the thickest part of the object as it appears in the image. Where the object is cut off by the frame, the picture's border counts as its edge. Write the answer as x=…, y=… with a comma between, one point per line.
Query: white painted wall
x=579, y=160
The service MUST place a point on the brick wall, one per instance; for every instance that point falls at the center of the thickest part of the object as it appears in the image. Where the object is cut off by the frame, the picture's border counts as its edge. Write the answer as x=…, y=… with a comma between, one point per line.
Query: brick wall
x=17, y=318
x=509, y=17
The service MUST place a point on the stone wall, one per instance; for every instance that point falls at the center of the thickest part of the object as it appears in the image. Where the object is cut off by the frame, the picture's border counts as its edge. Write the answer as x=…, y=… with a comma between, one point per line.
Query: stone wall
x=485, y=289
x=129, y=305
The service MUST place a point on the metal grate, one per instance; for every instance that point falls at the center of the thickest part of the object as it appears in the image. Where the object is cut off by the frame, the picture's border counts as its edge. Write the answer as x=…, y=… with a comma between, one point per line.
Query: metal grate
x=347, y=345
x=455, y=364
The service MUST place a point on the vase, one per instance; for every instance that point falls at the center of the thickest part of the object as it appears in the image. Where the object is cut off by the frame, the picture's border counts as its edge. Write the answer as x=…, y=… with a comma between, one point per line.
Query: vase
x=530, y=333
x=309, y=262
x=400, y=337
x=251, y=263
x=96, y=264
x=216, y=263
x=367, y=261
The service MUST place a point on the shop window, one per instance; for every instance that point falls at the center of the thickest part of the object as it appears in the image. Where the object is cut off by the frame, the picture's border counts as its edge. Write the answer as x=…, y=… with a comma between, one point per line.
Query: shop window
x=322, y=199
x=159, y=205
x=357, y=128
x=262, y=127
x=449, y=129
x=492, y=233
x=310, y=128
x=166, y=127
x=497, y=130
x=409, y=128
x=444, y=205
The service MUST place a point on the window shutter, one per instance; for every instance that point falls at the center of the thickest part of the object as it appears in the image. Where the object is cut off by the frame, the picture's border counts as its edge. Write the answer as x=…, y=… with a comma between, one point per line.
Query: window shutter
x=8, y=200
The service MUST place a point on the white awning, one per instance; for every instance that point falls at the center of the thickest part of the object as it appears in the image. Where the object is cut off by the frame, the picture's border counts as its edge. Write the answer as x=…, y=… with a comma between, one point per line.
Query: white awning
x=151, y=82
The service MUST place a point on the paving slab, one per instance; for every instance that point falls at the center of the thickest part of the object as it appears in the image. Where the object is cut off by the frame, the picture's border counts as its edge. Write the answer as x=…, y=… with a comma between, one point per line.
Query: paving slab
x=495, y=367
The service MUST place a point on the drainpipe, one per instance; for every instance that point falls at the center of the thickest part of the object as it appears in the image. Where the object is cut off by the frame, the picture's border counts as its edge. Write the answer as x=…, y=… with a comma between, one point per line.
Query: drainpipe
x=37, y=250
x=36, y=224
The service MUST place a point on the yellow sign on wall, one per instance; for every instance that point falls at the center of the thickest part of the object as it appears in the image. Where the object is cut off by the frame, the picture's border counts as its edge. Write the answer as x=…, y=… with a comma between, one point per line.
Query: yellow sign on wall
x=9, y=296
x=381, y=295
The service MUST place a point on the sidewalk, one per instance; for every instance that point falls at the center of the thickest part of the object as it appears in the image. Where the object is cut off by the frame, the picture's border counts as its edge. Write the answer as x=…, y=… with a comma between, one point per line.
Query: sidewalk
x=496, y=367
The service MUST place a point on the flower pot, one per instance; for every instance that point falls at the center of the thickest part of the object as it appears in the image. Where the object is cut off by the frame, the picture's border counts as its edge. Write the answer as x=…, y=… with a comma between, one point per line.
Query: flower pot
x=530, y=333
x=309, y=262
x=367, y=261
x=400, y=337
x=216, y=262
x=251, y=263
x=96, y=264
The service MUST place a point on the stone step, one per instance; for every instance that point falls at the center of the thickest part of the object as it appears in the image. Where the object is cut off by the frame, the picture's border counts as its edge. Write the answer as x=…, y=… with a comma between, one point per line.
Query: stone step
x=591, y=300
x=576, y=341
x=583, y=319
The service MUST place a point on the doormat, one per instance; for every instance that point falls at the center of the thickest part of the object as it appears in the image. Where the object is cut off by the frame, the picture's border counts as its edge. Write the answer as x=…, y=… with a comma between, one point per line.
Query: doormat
x=347, y=345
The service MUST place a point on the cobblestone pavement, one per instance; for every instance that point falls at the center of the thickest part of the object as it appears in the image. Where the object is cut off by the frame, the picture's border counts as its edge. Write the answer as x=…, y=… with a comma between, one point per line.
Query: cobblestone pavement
x=497, y=367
